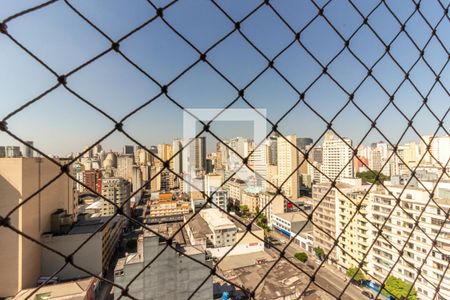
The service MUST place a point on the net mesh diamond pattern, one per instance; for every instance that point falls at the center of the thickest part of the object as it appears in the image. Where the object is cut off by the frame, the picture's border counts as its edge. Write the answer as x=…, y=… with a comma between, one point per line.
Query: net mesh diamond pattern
x=323, y=12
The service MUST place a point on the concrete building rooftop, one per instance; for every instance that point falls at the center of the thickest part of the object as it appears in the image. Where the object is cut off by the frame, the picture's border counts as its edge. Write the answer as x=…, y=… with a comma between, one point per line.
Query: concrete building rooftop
x=216, y=218
x=166, y=230
x=90, y=225
x=198, y=226
x=283, y=281
x=253, y=189
x=75, y=290
x=242, y=227
x=244, y=260
x=95, y=205
x=237, y=180
x=294, y=216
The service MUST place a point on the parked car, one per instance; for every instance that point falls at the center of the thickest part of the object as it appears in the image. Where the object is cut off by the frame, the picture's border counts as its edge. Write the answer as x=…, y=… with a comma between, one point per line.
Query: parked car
x=368, y=294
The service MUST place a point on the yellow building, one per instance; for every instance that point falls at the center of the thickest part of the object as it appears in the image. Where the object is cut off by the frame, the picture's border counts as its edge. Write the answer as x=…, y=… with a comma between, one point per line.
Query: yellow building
x=354, y=241
x=287, y=160
x=333, y=211
x=166, y=206
x=250, y=200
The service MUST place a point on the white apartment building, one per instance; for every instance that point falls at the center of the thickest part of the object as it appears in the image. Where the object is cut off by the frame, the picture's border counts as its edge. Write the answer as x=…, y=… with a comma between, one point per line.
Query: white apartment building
x=223, y=231
x=235, y=188
x=287, y=161
x=117, y=190
x=337, y=155
x=400, y=226
x=213, y=185
x=439, y=148
x=406, y=158
x=295, y=225
x=213, y=231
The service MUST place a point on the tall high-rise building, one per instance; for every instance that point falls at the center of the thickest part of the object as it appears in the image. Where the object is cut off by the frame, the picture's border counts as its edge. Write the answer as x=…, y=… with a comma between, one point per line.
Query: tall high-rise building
x=259, y=161
x=155, y=180
x=419, y=252
x=90, y=179
x=337, y=158
x=96, y=150
x=200, y=153
x=117, y=190
x=303, y=144
x=333, y=211
x=136, y=182
x=287, y=160
x=377, y=156
x=164, y=152
x=439, y=149
x=177, y=144
x=238, y=148
x=222, y=156
x=273, y=150
x=194, y=162
x=317, y=154
x=125, y=166
x=20, y=178
x=110, y=160
x=27, y=151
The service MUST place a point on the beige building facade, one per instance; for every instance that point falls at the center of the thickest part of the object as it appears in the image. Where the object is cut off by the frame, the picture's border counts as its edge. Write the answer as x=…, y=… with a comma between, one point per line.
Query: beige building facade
x=20, y=178
x=287, y=163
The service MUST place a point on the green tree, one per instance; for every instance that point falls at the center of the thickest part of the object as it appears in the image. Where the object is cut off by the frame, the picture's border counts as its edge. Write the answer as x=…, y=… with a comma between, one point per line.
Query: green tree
x=371, y=177
x=244, y=210
x=399, y=289
x=301, y=256
x=262, y=222
x=319, y=252
x=354, y=271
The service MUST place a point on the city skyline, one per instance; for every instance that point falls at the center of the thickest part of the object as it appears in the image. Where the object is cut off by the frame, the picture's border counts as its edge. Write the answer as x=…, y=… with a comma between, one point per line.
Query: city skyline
x=210, y=144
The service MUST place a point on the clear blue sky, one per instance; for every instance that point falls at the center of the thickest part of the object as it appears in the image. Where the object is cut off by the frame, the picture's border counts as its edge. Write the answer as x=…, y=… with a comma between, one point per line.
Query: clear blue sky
x=59, y=123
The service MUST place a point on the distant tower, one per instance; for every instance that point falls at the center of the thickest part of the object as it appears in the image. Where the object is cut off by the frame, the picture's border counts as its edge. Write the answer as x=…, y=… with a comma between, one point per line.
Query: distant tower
x=287, y=164
x=28, y=151
x=128, y=149
x=200, y=153
x=178, y=160
x=337, y=158
x=110, y=160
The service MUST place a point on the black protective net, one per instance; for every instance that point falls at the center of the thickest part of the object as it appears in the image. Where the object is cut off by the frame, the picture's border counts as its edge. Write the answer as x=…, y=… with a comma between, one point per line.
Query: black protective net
x=323, y=11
